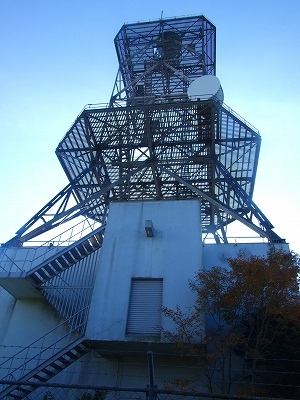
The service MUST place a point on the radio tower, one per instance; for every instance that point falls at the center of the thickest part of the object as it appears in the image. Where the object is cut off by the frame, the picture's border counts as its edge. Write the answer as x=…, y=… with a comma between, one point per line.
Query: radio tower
x=165, y=135
x=163, y=168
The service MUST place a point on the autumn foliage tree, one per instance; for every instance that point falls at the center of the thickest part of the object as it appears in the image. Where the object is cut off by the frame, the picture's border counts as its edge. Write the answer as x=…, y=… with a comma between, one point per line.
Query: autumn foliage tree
x=251, y=309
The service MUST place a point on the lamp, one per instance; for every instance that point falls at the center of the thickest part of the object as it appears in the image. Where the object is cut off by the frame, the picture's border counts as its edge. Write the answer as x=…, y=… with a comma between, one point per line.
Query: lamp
x=149, y=228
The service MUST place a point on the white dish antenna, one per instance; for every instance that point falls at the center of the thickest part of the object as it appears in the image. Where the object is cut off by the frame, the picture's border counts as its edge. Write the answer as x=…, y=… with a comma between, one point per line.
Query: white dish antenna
x=205, y=88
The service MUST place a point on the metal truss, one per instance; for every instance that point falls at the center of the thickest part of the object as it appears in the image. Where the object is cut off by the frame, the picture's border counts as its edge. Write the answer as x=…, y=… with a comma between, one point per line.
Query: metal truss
x=154, y=143
x=159, y=152
x=193, y=148
x=159, y=59
x=61, y=209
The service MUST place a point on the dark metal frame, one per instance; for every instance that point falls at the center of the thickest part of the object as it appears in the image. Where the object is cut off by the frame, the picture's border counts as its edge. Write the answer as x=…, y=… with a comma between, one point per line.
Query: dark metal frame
x=159, y=59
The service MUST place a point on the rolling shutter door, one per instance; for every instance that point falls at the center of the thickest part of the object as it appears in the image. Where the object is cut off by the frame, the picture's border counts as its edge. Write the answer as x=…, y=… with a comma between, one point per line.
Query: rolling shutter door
x=144, y=314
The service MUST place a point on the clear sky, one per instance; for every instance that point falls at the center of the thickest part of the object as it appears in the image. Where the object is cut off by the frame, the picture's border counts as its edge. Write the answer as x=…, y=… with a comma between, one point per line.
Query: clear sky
x=58, y=55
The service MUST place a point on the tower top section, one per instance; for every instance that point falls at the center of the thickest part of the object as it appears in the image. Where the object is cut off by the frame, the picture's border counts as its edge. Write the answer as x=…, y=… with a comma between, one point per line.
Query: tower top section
x=159, y=59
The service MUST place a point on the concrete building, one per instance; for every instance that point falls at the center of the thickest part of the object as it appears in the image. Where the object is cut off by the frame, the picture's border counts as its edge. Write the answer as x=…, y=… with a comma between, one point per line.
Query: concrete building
x=126, y=285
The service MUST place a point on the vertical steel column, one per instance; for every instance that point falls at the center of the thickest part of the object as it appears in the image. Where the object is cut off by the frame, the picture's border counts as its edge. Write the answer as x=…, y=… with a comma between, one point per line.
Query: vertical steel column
x=152, y=394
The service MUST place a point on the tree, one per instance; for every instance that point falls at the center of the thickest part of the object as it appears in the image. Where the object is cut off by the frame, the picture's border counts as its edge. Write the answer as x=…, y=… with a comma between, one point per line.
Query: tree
x=249, y=307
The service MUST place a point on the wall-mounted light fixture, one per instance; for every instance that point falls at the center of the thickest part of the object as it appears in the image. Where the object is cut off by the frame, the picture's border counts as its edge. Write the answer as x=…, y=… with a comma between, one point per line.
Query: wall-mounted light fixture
x=149, y=228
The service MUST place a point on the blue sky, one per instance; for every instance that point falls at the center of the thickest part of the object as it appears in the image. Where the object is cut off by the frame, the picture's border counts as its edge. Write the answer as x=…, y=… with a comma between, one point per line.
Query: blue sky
x=58, y=55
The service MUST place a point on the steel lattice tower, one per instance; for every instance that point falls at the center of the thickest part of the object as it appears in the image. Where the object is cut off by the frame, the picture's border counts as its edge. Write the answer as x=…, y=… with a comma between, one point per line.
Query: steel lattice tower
x=153, y=142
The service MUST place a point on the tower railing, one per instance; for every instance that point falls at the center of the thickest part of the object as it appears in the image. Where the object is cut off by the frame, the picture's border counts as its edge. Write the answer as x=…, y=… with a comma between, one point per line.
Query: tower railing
x=179, y=99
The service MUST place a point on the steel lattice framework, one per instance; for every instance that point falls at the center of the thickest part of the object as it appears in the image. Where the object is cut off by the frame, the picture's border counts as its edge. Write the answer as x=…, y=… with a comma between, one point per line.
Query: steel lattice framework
x=154, y=143
x=159, y=59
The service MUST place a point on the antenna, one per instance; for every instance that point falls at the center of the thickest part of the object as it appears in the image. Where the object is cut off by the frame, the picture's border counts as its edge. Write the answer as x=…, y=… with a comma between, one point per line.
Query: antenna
x=206, y=87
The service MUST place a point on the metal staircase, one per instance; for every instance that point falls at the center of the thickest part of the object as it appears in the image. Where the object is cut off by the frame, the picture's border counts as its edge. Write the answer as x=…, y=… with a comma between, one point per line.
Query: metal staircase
x=42, y=363
x=65, y=258
x=53, y=278
x=24, y=271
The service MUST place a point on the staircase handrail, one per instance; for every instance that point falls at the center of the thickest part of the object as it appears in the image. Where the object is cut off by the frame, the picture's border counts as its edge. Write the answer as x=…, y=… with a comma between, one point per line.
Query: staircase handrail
x=62, y=251
x=10, y=385
x=54, y=246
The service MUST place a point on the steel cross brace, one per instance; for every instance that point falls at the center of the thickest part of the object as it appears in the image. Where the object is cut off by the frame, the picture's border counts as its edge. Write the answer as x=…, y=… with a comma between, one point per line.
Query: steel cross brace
x=268, y=234
x=69, y=214
x=63, y=196
x=245, y=197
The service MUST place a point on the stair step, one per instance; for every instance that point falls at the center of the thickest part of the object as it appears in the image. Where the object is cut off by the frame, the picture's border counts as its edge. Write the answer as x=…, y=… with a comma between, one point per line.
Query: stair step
x=33, y=278
x=56, y=366
x=81, y=349
x=88, y=246
x=56, y=264
x=49, y=373
x=42, y=273
x=65, y=361
x=41, y=378
x=75, y=254
x=99, y=237
x=62, y=261
x=49, y=269
x=71, y=355
x=80, y=248
x=69, y=258
x=94, y=242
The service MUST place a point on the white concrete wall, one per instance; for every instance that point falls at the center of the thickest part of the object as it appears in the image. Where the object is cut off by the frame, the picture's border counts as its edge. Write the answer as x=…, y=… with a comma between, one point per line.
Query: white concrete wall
x=217, y=254
x=173, y=254
x=22, y=323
